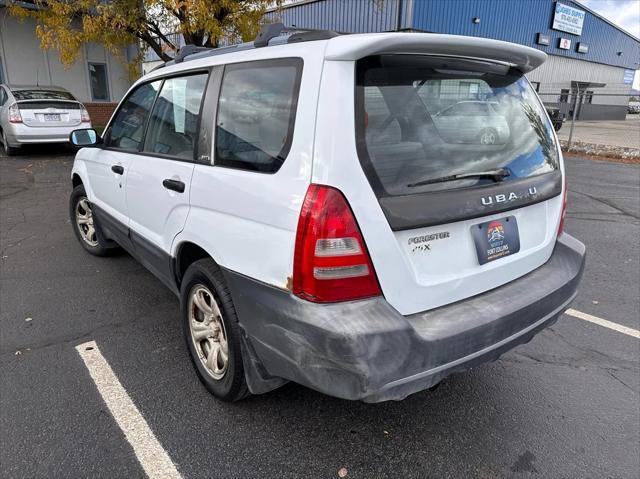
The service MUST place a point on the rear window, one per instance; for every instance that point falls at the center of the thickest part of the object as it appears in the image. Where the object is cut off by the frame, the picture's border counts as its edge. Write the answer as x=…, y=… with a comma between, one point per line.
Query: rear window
x=42, y=95
x=422, y=120
x=43, y=105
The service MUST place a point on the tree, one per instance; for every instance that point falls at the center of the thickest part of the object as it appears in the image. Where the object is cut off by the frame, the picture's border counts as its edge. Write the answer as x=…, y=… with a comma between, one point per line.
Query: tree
x=66, y=25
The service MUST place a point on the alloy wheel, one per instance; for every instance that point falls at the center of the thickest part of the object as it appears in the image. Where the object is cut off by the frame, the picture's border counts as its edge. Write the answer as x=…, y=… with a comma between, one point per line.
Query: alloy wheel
x=208, y=332
x=84, y=222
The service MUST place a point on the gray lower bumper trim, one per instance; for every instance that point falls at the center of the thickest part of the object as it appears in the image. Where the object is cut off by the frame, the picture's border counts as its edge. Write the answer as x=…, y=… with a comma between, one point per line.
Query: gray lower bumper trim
x=469, y=359
x=367, y=350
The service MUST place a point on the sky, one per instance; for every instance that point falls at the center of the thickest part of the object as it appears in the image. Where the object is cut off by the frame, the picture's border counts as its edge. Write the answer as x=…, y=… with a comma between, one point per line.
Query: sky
x=624, y=13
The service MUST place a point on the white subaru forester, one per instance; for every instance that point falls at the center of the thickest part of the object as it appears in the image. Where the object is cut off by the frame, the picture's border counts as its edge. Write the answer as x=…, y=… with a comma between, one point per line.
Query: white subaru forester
x=328, y=214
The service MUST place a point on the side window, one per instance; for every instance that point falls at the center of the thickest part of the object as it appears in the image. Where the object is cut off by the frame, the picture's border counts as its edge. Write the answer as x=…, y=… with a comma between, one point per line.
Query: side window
x=256, y=114
x=3, y=97
x=174, y=121
x=127, y=127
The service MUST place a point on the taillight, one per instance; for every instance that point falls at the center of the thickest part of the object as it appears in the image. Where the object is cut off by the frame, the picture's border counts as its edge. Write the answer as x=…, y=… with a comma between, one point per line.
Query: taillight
x=331, y=262
x=564, y=208
x=85, y=115
x=14, y=114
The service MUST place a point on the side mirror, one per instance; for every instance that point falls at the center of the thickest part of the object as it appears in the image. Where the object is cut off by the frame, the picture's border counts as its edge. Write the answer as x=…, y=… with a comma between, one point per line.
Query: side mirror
x=85, y=137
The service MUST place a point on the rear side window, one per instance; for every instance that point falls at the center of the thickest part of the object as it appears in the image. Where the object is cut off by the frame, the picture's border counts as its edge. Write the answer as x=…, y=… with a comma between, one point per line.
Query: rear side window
x=422, y=122
x=127, y=128
x=256, y=114
x=174, y=122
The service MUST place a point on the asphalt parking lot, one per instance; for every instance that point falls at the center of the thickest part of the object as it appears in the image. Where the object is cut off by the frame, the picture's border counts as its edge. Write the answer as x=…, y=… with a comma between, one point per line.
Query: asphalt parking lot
x=566, y=404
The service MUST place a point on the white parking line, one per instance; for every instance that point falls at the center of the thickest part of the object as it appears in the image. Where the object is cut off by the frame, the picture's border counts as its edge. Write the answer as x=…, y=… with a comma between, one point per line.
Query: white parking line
x=604, y=323
x=152, y=457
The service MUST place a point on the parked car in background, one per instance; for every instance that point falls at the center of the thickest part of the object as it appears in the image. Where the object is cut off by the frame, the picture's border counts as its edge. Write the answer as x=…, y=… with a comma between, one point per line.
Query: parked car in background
x=556, y=116
x=38, y=114
x=296, y=196
x=472, y=122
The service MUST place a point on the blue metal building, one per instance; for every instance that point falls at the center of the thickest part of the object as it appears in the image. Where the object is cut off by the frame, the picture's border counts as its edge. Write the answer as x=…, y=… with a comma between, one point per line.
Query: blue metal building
x=591, y=61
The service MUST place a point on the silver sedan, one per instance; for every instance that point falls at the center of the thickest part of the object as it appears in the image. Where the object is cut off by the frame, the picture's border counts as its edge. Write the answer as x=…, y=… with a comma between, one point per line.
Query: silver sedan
x=38, y=114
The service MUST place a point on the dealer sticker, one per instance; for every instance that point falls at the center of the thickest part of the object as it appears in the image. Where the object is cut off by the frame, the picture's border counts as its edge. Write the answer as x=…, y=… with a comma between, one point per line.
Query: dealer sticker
x=496, y=239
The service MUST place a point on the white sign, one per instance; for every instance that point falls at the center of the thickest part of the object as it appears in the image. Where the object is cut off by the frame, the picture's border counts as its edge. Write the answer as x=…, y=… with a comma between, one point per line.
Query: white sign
x=565, y=44
x=568, y=19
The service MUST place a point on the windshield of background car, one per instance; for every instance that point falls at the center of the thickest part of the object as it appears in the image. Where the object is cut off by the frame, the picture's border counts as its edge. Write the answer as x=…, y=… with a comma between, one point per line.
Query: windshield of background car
x=42, y=95
x=421, y=118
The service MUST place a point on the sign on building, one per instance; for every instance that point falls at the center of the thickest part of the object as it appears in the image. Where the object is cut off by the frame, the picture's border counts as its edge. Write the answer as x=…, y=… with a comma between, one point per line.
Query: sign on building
x=543, y=39
x=564, y=44
x=568, y=19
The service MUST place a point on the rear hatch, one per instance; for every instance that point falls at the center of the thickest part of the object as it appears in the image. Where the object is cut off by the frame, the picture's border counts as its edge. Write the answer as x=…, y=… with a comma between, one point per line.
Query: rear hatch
x=463, y=161
x=50, y=113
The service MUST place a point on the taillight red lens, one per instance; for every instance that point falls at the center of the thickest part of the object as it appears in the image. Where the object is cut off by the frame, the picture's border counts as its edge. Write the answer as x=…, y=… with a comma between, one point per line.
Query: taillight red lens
x=331, y=262
x=14, y=114
x=85, y=115
x=564, y=208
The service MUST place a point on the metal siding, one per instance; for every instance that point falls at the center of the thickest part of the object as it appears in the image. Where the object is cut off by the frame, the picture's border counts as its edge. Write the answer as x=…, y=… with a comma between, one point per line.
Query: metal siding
x=353, y=16
x=519, y=21
x=558, y=73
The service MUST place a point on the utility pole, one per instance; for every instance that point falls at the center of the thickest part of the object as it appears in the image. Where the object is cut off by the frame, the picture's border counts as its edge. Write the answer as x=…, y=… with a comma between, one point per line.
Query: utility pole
x=573, y=118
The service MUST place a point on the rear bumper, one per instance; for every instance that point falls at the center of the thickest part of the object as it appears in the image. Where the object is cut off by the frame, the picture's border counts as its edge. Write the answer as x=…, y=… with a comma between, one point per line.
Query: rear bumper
x=20, y=134
x=366, y=350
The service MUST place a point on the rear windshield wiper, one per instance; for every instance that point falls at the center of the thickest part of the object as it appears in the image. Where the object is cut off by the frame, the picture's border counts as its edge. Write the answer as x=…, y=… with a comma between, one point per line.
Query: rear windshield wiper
x=496, y=175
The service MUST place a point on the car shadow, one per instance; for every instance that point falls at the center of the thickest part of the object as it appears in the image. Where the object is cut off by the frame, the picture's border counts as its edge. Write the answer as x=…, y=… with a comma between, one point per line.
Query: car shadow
x=38, y=151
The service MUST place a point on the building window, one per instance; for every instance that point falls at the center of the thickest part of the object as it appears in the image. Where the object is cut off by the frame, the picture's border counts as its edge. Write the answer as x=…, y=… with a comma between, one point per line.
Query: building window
x=99, y=82
x=564, y=95
x=588, y=97
x=536, y=86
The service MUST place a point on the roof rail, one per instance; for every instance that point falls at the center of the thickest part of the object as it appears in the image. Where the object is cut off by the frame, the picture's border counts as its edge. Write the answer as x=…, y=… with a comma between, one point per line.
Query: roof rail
x=267, y=33
x=273, y=30
x=187, y=50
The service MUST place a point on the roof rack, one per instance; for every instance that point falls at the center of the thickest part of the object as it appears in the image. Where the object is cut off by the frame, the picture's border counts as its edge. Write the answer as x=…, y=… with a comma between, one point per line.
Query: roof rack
x=267, y=33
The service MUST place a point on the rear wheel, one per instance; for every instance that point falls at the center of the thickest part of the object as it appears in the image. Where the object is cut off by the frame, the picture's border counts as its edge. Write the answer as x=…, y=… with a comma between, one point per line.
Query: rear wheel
x=8, y=150
x=84, y=223
x=211, y=330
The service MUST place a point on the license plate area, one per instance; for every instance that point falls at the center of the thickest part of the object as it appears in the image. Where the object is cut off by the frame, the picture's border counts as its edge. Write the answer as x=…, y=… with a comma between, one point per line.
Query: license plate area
x=51, y=117
x=496, y=239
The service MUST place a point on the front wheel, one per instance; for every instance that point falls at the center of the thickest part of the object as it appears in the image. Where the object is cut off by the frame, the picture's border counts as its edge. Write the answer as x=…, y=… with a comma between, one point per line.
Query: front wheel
x=84, y=223
x=212, y=332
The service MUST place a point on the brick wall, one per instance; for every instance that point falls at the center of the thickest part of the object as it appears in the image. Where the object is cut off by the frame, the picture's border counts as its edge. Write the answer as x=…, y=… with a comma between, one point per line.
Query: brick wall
x=100, y=112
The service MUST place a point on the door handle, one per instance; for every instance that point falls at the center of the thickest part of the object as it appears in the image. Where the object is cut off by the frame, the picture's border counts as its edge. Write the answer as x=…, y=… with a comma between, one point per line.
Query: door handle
x=175, y=185
x=117, y=169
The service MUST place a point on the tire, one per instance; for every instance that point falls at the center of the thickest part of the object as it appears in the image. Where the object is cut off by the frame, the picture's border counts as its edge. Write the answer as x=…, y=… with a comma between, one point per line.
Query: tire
x=207, y=309
x=8, y=150
x=488, y=136
x=83, y=221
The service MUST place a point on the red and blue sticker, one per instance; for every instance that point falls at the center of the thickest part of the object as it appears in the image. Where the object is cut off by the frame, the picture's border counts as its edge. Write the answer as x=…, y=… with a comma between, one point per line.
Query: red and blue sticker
x=496, y=239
